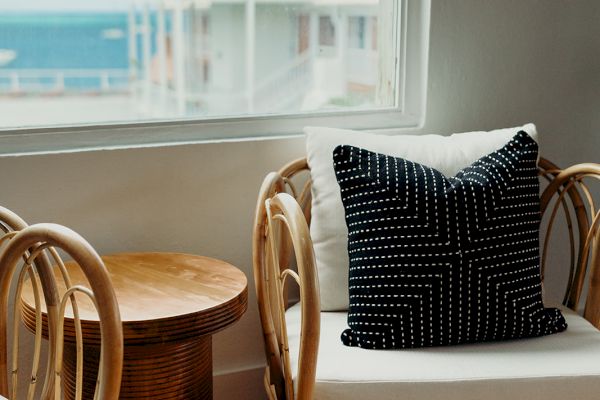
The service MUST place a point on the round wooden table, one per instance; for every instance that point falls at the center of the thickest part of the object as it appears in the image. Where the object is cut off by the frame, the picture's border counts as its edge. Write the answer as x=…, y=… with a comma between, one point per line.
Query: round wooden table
x=170, y=306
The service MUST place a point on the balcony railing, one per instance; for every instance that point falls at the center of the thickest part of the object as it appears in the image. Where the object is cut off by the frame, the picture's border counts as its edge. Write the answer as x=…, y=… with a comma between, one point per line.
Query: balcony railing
x=63, y=81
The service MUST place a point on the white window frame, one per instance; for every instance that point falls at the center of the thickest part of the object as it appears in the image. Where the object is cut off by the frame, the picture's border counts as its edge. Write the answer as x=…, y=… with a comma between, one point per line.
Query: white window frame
x=409, y=70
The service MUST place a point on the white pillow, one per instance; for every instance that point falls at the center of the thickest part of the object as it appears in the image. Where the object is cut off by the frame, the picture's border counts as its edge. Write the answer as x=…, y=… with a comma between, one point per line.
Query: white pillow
x=448, y=154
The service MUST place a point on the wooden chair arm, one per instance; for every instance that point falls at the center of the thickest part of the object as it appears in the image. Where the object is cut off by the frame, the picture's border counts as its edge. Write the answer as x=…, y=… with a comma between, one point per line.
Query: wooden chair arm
x=281, y=230
x=11, y=223
x=568, y=189
x=45, y=238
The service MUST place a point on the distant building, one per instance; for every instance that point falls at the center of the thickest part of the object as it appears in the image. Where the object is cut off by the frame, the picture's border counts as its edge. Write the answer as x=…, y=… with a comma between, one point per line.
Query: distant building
x=225, y=57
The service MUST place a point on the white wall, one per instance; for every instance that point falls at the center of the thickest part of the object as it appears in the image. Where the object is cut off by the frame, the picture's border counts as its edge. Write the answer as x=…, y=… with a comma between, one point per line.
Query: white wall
x=273, y=55
x=227, y=60
x=492, y=64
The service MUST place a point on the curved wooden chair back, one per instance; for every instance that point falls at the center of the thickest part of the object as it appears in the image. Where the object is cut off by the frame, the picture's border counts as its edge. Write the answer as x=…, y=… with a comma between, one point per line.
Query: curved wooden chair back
x=24, y=259
x=568, y=190
x=10, y=224
x=281, y=232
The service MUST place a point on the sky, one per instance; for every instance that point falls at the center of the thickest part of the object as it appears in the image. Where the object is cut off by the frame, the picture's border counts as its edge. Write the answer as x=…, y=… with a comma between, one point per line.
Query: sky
x=64, y=5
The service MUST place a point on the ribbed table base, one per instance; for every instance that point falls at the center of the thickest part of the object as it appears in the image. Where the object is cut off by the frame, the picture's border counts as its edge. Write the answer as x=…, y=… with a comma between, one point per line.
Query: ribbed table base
x=179, y=370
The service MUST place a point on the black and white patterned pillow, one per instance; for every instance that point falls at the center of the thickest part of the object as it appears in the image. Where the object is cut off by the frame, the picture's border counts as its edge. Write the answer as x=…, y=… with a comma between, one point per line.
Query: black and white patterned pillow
x=440, y=261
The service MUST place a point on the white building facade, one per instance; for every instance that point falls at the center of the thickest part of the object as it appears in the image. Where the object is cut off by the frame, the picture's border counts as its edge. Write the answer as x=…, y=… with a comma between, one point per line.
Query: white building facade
x=227, y=57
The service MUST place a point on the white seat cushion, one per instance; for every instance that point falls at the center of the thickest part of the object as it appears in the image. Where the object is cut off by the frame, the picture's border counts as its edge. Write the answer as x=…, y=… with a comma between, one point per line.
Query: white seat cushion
x=561, y=366
x=328, y=231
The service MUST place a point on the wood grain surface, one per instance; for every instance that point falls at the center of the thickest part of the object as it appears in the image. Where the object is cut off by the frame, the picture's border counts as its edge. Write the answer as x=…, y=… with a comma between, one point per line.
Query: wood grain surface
x=170, y=304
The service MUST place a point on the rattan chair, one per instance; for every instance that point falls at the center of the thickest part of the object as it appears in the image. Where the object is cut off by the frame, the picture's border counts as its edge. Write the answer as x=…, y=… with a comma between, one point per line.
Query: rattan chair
x=25, y=257
x=281, y=234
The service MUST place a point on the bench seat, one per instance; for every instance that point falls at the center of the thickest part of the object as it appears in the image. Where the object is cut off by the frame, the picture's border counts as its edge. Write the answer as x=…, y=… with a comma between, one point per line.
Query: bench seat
x=560, y=366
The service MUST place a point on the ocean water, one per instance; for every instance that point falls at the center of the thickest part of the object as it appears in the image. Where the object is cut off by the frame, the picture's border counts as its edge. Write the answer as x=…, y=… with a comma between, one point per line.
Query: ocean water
x=60, y=41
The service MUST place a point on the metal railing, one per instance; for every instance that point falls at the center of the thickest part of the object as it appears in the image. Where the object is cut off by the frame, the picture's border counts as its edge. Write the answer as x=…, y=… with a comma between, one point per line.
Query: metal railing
x=58, y=81
x=284, y=86
x=277, y=92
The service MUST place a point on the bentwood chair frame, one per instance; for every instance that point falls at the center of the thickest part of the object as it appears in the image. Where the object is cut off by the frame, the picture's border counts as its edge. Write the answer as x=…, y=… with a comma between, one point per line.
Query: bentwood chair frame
x=281, y=232
x=25, y=256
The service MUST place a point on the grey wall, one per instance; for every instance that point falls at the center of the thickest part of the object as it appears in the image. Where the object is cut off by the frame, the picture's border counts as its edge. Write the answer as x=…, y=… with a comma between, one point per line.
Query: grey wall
x=500, y=63
x=492, y=64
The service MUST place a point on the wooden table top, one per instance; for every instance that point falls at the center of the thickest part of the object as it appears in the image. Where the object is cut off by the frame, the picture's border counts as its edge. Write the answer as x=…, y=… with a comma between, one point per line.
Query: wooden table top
x=161, y=294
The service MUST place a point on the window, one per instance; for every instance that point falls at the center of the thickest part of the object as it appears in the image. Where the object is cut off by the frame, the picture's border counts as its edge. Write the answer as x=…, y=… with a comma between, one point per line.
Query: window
x=190, y=70
x=357, y=32
x=326, y=31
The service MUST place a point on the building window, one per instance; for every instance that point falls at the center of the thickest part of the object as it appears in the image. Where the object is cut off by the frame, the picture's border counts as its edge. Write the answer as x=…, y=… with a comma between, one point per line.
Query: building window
x=69, y=63
x=326, y=31
x=303, y=33
x=357, y=33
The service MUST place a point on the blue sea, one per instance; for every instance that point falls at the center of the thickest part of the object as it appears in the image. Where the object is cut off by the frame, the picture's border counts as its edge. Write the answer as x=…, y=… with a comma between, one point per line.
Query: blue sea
x=73, y=41
x=65, y=40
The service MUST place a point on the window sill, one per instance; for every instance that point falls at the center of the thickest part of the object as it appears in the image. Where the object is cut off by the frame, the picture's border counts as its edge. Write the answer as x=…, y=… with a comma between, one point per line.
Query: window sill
x=67, y=139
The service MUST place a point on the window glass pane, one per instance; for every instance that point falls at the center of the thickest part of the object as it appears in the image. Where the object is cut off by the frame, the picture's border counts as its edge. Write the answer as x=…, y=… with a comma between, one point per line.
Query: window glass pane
x=356, y=32
x=73, y=62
